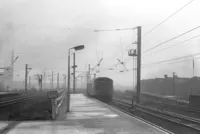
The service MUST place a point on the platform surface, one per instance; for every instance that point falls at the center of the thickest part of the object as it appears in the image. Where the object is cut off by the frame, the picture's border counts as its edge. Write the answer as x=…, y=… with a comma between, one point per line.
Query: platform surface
x=88, y=116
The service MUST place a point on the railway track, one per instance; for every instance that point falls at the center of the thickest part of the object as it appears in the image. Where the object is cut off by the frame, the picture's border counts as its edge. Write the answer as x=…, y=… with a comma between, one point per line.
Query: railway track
x=179, y=109
x=11, y=107
x=180, y=120
x=11, y=97
x=187, y=111
x=16, y=99
x=34, y=109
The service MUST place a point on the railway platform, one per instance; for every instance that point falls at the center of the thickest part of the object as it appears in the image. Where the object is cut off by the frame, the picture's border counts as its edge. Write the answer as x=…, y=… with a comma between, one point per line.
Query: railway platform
x=88, y=116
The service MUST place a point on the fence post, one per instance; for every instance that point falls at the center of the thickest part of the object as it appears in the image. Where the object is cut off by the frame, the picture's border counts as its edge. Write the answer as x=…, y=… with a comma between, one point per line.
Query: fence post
x=53, y=108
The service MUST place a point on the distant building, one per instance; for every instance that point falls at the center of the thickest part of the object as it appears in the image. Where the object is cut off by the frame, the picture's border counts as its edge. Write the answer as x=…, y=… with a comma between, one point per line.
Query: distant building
x=183, y=87
x=1, y=82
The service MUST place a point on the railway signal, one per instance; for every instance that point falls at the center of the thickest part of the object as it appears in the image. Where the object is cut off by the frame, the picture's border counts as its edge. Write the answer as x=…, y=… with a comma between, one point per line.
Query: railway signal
x=173, y=74
x=121, y=62
x=137, y=53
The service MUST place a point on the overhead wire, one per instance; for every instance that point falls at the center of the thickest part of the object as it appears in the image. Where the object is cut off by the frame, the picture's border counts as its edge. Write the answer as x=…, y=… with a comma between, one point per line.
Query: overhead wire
x=193, y=37
x=119, y=29
x=164, y=41
x=106, y=30
x=168, y=17
x=121, y=48
x=173, y=45
x=178, y=58
x=122, y=56
x=97, y=65
x=133, y=69
x=184, y=60
x=123, y=60
x=172, y=39
x=82, y=74
x=170, y=61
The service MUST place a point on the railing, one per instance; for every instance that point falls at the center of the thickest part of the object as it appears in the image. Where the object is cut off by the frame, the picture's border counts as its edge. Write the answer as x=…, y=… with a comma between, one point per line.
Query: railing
x=57, y=103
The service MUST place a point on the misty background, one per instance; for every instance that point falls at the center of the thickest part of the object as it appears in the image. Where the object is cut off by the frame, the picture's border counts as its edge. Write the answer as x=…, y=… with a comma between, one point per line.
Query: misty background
x=41, y=31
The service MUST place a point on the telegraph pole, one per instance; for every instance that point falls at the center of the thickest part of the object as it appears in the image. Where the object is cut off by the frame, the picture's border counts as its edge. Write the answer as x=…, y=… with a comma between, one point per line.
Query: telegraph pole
x=44, y=80
x=41, y=82
x=52, y=79
x=29, y=83
x=87, y=78
x=64, y=81
x=193, y=73
x=74, y=72
x=26, y=77
x=193, y=67
x=63, y=84
x=26, y=74
x=88, y=72
x=139, y=42
x=58, y=81
x=81, y=81
x=68, y=83
x=49, y=76
x=173, y=84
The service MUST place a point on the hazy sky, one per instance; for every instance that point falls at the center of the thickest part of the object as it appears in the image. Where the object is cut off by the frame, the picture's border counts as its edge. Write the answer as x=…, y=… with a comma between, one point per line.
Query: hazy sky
x=42, y=31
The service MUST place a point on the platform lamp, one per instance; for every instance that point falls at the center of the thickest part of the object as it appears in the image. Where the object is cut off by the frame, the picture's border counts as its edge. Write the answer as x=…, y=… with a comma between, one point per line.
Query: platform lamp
x=76, y=48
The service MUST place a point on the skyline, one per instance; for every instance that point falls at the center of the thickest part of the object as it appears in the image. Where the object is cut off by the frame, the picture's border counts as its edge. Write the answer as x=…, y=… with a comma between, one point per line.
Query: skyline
x=41, y=36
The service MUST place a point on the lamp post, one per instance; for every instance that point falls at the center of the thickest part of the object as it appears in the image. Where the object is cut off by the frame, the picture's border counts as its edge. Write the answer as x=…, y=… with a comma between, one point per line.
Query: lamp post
x=74, y=73
x=76, y=48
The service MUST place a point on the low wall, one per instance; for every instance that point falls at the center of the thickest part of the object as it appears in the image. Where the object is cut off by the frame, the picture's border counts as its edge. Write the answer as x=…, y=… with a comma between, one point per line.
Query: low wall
x=62, y=110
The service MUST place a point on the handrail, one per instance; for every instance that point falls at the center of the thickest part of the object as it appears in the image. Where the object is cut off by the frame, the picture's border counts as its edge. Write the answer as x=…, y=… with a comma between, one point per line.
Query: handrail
x=57, y=102
x=61, y=91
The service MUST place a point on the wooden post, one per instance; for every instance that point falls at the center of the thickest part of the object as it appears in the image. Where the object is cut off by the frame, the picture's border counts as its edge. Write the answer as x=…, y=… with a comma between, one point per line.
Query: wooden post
x=53, y=109
x=138, y=63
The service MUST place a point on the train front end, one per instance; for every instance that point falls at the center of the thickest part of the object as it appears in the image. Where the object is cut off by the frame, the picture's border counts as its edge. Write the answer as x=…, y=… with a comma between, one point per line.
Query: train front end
x=103, y=88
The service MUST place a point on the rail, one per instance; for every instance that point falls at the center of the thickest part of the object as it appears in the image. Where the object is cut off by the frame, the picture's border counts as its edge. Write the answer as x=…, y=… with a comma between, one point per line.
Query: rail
x=16, y=99
x=185, y=121
x=184, y=108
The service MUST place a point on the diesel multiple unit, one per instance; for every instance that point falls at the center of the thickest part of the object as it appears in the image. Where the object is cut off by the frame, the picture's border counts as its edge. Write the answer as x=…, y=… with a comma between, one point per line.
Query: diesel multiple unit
x=101, y=88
